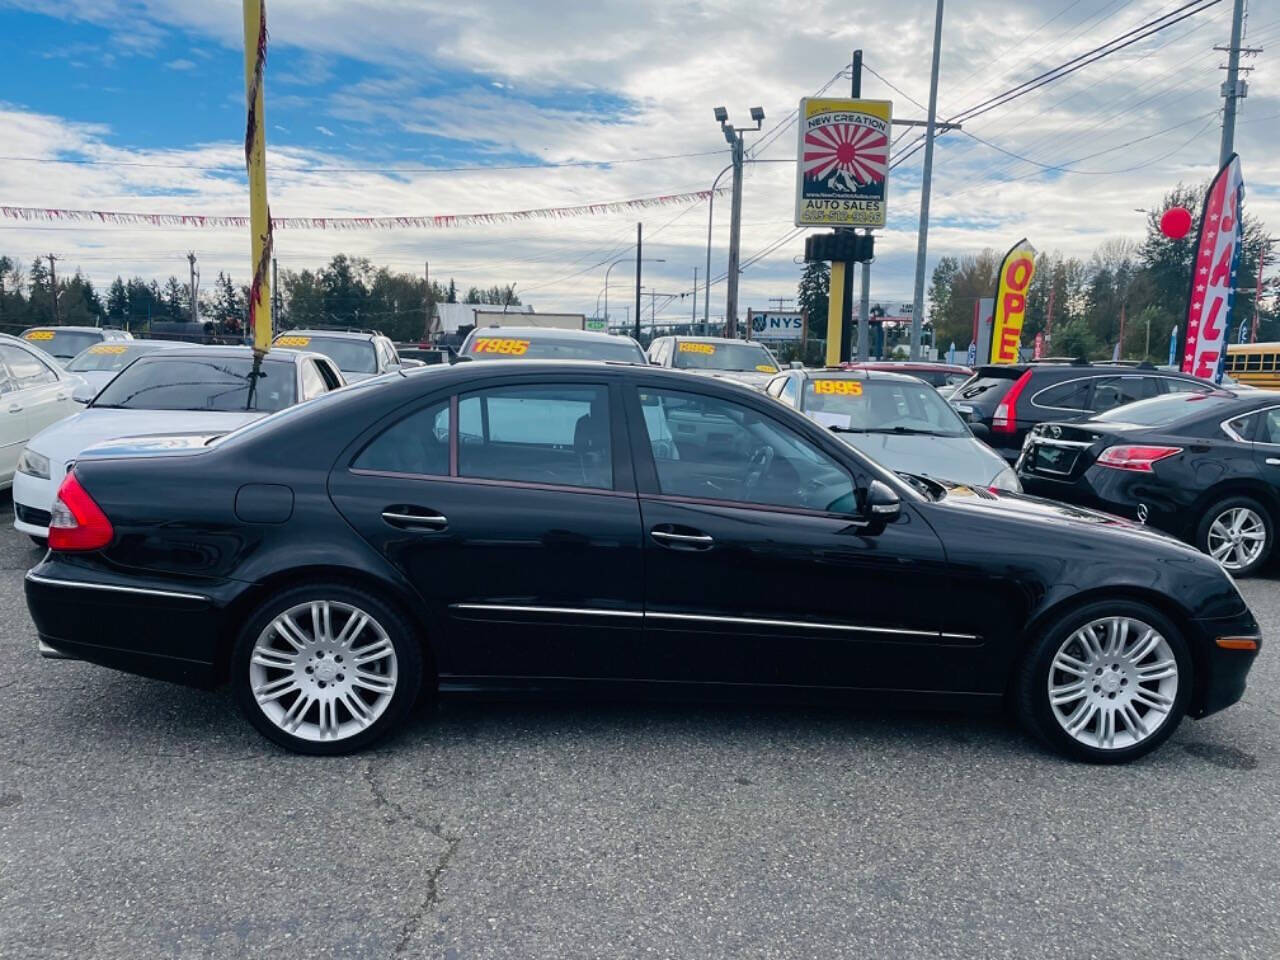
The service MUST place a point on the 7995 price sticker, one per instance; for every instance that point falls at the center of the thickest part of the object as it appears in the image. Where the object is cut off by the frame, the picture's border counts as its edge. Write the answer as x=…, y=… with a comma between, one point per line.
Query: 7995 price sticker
x=514, y=348
x=846, y=388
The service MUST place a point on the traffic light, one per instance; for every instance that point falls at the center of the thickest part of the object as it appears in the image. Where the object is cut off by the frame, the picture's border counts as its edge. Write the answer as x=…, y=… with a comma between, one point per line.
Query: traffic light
x=844, y=246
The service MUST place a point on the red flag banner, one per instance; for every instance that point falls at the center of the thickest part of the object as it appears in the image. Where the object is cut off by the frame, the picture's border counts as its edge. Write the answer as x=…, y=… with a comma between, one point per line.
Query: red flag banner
x=420, y=222
x=1213, y=274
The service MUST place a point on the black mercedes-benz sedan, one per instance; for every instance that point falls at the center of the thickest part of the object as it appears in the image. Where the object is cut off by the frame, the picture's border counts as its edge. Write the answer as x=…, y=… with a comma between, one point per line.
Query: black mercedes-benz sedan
x=552, y=526
x=1203, y=467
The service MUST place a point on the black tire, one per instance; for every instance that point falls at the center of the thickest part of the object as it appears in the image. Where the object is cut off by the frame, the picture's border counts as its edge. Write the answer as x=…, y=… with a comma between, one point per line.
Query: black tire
x=40, y=542
x=408, y=662
x=1031, y=694
x=1231, y=503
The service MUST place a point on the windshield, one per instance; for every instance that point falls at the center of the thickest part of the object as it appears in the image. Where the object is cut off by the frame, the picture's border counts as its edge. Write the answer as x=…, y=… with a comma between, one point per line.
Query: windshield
x=881, y=406
x=63, y=344
x=1157, y=411
x=538, y=346
x=351, y=356
x=201, y=383
x=108, y=356
x=701, y=355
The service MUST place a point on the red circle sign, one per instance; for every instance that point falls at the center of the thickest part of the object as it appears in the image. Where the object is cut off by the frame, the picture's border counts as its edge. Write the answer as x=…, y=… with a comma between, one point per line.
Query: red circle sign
x=1175, y=223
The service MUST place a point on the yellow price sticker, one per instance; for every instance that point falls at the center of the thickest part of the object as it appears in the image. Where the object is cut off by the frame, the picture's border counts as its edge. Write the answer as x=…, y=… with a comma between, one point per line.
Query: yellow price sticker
x=845, y=388
x=112, y=348
x=38, y=335
x=766, y=368
x=288, y=341
x=512, y=348
x=697, y=347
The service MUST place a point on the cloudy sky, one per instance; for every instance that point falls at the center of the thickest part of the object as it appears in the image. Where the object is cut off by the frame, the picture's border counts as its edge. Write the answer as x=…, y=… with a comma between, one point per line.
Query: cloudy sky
x=388, y=107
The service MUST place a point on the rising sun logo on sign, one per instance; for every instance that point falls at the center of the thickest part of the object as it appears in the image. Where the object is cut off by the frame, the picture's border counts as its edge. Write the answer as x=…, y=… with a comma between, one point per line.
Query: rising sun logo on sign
x=846, y=155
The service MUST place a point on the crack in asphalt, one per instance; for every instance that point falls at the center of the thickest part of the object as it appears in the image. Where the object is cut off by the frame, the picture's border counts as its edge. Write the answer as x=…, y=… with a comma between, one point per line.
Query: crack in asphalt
x=399, y=814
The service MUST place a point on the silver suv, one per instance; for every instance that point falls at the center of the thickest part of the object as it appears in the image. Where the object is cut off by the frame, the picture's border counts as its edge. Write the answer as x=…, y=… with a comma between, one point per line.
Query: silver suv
x=359, y=354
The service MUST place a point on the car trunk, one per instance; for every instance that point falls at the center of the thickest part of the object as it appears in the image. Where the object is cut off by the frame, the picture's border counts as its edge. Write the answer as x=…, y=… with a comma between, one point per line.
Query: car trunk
x=977, y=398
x=1064, y=451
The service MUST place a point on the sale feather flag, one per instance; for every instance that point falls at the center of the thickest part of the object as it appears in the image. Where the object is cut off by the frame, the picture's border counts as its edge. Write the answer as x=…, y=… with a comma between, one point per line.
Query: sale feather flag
x=1016, y=271
x=1213, y=274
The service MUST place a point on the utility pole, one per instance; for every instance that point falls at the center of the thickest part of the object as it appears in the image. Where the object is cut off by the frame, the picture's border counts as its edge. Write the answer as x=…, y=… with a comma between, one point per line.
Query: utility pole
x=53, y=287
x=194, y=287
x=735, y=236
x=275, y=295
x=1235, y=88
x=693, y=328
x=922, y=241
x=426, y=299
x=846, y=301
x=780, y=301
x=639, y=251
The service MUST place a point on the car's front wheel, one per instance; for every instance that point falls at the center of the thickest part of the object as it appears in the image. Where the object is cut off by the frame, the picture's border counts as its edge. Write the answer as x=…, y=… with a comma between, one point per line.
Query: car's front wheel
x=1238, y=533
x=1106, y=683
x=326, y=669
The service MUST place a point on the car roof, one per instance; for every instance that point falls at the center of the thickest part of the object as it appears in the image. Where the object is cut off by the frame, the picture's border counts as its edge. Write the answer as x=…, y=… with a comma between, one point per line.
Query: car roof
x=346, y=334
x=681, y=336
x=74, y=329
x=563, y=332
x=855, y=373
x=907, y=365
x=280, y=354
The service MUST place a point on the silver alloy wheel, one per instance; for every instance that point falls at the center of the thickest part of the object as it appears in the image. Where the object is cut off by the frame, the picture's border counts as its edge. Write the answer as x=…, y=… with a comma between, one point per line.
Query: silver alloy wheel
x=1237, y=537
x=1113, y=683
x=323, y=670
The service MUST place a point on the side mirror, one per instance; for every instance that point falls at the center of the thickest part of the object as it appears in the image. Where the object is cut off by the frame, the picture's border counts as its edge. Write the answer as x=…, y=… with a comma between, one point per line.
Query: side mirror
x=980, y=430
x=797, y=365
x=883, y=504
x=83, y=393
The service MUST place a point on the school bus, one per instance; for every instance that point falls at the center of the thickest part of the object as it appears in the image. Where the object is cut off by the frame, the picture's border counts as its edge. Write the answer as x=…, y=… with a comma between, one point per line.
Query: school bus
x=1255, y=364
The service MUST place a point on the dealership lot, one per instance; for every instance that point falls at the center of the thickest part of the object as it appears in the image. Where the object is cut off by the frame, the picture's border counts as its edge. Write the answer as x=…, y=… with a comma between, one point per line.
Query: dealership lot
x=143, y=819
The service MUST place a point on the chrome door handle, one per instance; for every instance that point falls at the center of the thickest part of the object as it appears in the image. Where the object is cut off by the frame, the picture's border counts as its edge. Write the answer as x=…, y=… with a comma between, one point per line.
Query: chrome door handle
x=14, y=408
x=1273, y=461
x=693, y=539
x=425, y=521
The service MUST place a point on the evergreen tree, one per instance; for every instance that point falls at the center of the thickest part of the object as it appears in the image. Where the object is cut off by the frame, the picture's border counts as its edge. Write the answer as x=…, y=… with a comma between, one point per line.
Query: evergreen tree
x=813, y=296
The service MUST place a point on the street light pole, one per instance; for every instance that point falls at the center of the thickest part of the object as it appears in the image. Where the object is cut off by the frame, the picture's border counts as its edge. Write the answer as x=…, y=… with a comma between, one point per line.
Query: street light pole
x=706, y=293
x=734, y=138
x=922, y=241
x=606, y=285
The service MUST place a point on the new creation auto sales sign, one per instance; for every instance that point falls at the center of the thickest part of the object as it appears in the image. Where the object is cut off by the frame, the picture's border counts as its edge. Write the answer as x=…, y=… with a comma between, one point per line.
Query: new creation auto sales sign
x=1213, y=277
x=842, y=164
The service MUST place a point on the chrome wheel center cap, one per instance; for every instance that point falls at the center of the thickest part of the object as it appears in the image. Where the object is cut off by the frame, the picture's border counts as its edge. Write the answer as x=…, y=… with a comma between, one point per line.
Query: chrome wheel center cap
x=1110, y=682
x=326, y=671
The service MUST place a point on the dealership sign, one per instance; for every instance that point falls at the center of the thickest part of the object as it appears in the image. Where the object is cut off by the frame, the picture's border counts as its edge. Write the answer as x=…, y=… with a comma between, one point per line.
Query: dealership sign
x=1016, y=272
x=842, y=163
x=1213, y=278
x=777, y=325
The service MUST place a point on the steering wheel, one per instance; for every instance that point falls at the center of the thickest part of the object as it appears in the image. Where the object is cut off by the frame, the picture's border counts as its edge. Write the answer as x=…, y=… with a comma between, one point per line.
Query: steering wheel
x=758, y=465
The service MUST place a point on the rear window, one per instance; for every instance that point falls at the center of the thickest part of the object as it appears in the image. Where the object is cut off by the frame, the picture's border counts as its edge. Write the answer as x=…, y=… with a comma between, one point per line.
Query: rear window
x=63, y=344
x=985, y=388
x=1166, y=409
x=351, y=356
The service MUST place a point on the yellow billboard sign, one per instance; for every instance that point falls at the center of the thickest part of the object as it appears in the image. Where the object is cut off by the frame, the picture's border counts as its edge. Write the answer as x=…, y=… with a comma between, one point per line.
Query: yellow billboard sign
x=1016, y=272
x=842, y=162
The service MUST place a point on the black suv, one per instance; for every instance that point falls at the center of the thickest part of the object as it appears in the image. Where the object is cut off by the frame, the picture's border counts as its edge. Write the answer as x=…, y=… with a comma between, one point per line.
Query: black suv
x=1010, y=399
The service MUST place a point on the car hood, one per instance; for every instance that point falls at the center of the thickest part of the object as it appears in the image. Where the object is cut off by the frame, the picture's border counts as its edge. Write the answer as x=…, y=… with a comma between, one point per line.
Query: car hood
x=67, y=438
x=749, y=378
x=965, y=460
x=1052, y=513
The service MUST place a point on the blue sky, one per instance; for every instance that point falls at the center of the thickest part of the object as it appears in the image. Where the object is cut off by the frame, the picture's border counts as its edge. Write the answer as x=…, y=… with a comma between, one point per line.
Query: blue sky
x=434, y=84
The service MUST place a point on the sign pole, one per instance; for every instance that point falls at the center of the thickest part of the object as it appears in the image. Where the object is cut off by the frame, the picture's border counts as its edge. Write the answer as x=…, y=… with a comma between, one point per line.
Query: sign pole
x=255, y=157
x=835, y=310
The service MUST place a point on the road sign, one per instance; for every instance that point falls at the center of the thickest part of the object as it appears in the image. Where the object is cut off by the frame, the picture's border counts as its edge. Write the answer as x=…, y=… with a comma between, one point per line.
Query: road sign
x=842, y=163
x=777, y=325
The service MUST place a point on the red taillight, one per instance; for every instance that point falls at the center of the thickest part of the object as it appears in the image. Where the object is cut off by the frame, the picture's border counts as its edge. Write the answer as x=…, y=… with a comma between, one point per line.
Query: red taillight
x=1139, y=459
x=1005, y=419
x=76, y=522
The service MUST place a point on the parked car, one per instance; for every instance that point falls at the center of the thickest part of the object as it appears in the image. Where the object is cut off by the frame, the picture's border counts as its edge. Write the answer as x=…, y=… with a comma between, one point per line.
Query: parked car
x=359, y=354
x=671, y=533
x=63, y=343
x=943, y=377
x=428, y=355
x=199, y=390
x=548, y=343
x=896, y=420
x=98, y=364
x=35, y=392
x=1010, y=399
x=1203, y=467
x=742, y=361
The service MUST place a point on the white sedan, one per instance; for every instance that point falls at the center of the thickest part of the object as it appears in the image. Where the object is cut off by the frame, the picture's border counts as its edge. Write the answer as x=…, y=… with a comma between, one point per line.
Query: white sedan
x=181, y=390
x=34, y=393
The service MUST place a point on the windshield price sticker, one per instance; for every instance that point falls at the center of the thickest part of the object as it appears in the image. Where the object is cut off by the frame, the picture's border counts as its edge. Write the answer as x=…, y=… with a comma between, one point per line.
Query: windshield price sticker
x=697, y=348
x=514, y=348
x=38, y=335
x=766, y=368
x=112, y=348
x=847, y=388
x=292, y=341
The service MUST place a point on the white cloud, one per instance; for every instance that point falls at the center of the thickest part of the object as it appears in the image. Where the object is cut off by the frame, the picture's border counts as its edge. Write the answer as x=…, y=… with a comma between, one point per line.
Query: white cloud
x=325, y=130
x=181, y=64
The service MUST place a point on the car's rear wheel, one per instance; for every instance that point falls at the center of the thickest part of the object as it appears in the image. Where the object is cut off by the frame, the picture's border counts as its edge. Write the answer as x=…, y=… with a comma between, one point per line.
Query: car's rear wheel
x=1238, y=533
x=1106, y=683
x=326, y=669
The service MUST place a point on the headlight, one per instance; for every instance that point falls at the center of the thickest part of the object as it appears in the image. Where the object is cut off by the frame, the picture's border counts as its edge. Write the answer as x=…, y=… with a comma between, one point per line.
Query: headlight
x=33, y=464
x=1006, y=479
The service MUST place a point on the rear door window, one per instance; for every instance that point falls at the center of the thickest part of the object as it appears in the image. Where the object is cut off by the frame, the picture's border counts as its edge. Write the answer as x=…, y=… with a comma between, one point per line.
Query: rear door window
x=1112, y=392
x=1174, y=385
x=1071, y=395
x=417, y=444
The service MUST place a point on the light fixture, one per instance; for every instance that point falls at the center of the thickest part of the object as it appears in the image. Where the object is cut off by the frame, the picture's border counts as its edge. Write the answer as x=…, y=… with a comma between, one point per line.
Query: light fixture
x=721, y=114
x=757, y=114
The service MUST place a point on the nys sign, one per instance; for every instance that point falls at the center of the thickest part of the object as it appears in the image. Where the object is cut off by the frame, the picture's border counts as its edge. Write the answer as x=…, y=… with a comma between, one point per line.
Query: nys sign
x=777, y=325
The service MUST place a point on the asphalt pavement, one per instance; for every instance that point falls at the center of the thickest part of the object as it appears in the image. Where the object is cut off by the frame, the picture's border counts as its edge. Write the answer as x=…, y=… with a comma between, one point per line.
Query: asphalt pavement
x=140, y=819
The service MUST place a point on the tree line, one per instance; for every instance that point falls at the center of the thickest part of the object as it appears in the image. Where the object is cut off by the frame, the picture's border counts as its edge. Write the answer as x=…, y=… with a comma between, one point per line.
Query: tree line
x=346, y=292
